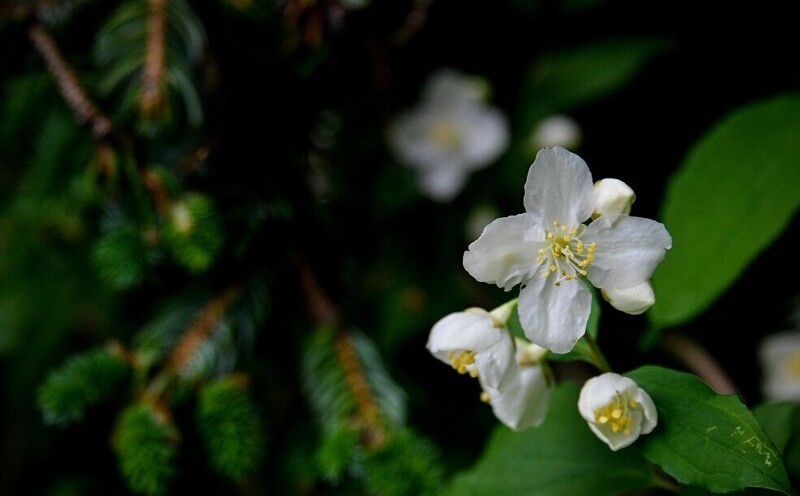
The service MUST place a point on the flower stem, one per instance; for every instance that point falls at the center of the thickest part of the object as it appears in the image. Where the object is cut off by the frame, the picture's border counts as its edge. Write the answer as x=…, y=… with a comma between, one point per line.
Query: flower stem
x=597, y=357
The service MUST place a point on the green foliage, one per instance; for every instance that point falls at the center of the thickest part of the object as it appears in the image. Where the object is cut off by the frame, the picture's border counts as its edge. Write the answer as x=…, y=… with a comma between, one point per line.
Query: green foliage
x=145, y=444
x=705, y=439
x=560, y=457
x=231, y=428
x=778, y=420
x=122, y=255
x=407, y=465
x=120, y=51
x=394, y=461
x=83, y=381
x=193, y=232
x=566, y=79
x=734, y=195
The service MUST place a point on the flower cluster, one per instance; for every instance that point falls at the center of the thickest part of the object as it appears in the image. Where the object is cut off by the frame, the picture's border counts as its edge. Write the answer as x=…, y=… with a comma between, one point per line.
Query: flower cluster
x=574, y=232
x=451, y=133
x=512, y=376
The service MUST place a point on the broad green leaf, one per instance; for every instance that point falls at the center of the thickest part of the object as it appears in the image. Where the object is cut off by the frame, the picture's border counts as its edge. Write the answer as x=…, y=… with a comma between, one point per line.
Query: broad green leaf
x=560, y=457
x=777, y=419
x=564, y=80
x=734, y=195
x=707, y=440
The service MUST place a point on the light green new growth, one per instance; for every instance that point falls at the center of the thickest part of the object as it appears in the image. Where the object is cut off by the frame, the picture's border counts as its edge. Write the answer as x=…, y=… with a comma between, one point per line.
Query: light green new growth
x=83, y=381
x=230, y=427
x=193, y=233
x=145, y=444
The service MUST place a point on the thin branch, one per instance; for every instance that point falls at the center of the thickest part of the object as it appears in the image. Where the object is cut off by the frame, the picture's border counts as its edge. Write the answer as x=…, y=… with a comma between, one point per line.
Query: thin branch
x=414, y=22
x=201, y=329
x=324, y=312
x=86, y=112
x=699, y=361
x=151, y=98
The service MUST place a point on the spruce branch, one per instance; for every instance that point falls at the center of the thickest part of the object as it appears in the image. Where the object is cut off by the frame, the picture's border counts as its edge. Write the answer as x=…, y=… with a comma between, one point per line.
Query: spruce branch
x=74, y=94
x=324, y=313
x=151, y=99
x=201, y=328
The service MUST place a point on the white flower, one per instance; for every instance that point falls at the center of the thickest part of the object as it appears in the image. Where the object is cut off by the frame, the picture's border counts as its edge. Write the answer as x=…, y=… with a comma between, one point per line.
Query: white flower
x=780, y=359
x=475, y=342
x=617, y=410
x=450, y=134
x=634, y=300
x=557, y=130
x=550, y=252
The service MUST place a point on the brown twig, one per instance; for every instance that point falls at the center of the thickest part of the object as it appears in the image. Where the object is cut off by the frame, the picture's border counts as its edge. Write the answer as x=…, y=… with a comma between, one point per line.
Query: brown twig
x=151, y=98
x=324, y=312
x=201, y=328
x=86, y=112
x=413, y=23
x=699, y=361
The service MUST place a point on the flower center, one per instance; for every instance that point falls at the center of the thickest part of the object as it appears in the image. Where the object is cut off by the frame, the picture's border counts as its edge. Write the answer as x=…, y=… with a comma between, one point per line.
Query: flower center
x=791, y=365
x=445, y=134
x=564, y=254
x=463, y=361
x=616, y=414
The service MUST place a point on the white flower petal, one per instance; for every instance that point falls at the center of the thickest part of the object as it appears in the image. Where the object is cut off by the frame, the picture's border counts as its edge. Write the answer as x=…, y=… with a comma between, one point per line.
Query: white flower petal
x=779, y=355
x=634, y=300
x=505, y=254
x=486, y=136
x=557, y=130
x=524, y=401
x=443, y=183
x=612, y=196
x=628, y=250
x=462, y=331
x=449, y=86
x=559, y=187
x=554, y=317
x=496, y=364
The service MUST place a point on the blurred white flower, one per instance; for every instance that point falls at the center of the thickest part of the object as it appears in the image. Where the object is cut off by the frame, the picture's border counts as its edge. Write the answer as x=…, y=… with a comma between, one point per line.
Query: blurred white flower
x=549, y=251
x=780, y=359
x=557, y=130
x=450, y=134
x=617, y=410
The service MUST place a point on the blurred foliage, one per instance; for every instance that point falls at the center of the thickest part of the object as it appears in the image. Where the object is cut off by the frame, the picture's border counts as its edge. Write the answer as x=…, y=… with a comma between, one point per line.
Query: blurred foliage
x=246, y=148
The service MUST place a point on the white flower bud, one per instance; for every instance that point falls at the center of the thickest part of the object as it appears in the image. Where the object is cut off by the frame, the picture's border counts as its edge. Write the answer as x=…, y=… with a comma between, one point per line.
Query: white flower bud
x=612, y=196
x=634, y=300
x=617, y=410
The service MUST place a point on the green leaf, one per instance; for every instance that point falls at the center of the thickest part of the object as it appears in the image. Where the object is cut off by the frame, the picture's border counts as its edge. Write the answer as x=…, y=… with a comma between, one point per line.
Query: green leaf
x=777, y=419
x=560, y=457
x=567, y=79
x=734, y=195
x=705, y=439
